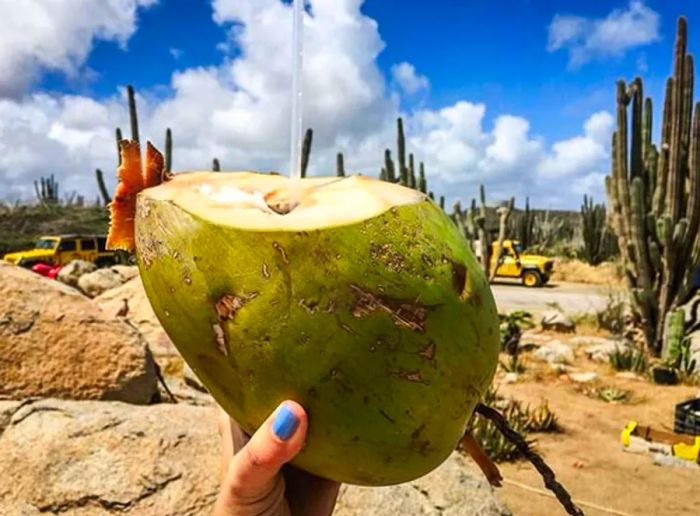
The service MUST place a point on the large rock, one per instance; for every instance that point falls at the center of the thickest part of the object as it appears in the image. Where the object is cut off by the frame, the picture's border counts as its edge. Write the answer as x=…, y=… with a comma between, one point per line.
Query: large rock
x=95, y=283
x=455, y=488
x=555, y=352
x=96, y=458
x=74, y=270
x=56, y=343
x=127, y=272
x=557, y=321
x=99, y=458
x=139, y=313
x=601, y=351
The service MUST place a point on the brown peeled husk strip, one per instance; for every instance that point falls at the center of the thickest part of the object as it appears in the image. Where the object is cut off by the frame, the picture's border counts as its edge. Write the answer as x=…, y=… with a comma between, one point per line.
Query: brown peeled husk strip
x=132, y=179
x=486, y=465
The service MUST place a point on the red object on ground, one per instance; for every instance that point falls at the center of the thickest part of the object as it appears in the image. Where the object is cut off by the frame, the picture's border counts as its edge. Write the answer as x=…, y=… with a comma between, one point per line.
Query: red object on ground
x=45, y=269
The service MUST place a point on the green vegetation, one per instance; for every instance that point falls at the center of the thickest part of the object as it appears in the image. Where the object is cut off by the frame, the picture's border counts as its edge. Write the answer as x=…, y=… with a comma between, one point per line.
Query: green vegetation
x=523, y=418
x=625, y=358
x=599, y=243
x=654, y=193
x=21, y=225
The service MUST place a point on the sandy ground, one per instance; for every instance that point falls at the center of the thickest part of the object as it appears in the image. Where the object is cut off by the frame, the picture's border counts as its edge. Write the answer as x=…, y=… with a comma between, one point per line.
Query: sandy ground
x=572, y=297
x=588, y=457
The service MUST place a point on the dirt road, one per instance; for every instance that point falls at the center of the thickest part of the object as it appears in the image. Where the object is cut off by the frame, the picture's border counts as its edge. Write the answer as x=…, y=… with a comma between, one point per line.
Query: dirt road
x=572, y=297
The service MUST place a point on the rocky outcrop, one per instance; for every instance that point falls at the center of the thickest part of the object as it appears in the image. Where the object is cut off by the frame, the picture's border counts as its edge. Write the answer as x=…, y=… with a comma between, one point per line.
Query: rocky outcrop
x=455, y=488
x=100, y=458
x=73, y=271
x=56, y=343
x=94, y=458
x=95, y=283
x=555, y=352
x=557, y=321
x=131, y=299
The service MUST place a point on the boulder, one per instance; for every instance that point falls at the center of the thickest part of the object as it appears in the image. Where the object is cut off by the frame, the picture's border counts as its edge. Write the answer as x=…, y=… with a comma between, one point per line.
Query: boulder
x=555, y=352
x=95, y=283
x=99, y=458
x=73, y=271
x=601, y=351
x=127, y=272
x=557, y=321
x=455, y=488
x=56, y=343
x=139, y=313
x=587, y=377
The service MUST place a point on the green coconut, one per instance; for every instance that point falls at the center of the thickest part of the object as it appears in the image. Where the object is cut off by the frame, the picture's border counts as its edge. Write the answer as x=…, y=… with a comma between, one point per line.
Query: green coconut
x=357, y=298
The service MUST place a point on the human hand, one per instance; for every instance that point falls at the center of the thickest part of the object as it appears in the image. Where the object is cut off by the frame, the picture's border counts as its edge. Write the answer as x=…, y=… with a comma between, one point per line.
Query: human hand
x=256, y=479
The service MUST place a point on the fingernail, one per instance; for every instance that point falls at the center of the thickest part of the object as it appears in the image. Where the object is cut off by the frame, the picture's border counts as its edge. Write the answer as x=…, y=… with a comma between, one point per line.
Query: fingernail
x=285, y=423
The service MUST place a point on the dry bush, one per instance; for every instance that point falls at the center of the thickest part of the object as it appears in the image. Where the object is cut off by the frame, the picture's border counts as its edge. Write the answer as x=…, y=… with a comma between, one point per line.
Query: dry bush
x=576, y=271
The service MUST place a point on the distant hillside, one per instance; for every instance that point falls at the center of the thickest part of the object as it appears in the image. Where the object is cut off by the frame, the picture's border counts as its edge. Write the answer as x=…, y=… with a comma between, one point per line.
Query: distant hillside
x=20, y=226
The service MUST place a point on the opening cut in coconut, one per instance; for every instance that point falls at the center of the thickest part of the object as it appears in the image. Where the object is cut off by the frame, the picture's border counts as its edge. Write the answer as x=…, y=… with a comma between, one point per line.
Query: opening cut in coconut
x=264, y=202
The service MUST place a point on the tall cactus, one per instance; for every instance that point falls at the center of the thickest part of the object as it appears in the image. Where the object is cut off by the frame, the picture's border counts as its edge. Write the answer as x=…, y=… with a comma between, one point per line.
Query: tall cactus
x=46, y=190
x=412, y=182
x=118, y=137
x=168, y=150
x=389, y=167
x=503, y=216
x=422, y=181
x=104, y=193
x=525, y=225
x=401, y=146
x=482, y=233
x=306, y=151
x=133, y=116
x=654, y=194
x=340, y=165
x=598, y=242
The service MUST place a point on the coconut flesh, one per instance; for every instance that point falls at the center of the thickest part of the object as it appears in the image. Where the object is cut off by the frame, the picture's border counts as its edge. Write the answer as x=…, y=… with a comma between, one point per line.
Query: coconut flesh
x=355, y=297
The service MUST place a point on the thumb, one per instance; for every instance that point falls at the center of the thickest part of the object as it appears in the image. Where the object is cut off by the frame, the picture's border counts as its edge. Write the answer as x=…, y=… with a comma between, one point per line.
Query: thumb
x=253, y=472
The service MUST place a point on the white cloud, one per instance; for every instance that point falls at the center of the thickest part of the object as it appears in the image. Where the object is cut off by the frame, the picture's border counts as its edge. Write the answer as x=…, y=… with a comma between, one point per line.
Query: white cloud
x=239, y=112
x=409, y=81
x=57, y=35
x=177, y=53
x=612, y=36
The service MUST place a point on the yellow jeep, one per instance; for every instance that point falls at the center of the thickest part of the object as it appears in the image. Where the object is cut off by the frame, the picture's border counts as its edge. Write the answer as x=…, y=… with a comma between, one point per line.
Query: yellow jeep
x=533, y=270
x=59, y=250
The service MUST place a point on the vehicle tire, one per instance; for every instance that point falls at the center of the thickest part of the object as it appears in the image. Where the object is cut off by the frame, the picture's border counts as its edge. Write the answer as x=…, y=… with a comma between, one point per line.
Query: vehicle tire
x=532, y=279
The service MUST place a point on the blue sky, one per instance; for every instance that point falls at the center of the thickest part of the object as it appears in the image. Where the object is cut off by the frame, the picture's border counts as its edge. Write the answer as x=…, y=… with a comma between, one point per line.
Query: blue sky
x=539, y=70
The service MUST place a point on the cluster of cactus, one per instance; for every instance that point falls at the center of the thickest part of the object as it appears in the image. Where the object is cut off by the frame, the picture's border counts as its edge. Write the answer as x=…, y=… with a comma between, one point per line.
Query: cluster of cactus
x=46, y=190
x=548, y=230
x=405, y=175
x=525, y=226
x=504, y=212
x=654, y=194
x=472, y=224
x=599, y=243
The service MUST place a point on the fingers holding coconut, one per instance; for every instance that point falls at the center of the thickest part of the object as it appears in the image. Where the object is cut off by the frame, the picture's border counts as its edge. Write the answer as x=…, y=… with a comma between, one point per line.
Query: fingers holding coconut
x=254, y=469
x=233, y=438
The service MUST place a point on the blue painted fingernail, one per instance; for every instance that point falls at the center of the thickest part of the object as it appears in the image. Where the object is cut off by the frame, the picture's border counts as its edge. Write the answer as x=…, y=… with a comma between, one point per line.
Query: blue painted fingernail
x=285, y=423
